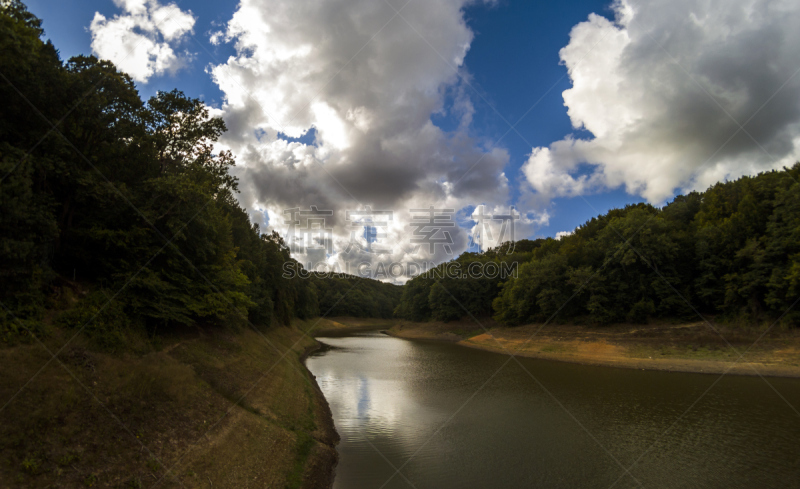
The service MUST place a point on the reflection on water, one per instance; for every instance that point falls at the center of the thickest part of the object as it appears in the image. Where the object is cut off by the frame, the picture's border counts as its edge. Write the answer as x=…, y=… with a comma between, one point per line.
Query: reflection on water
x=447, y=418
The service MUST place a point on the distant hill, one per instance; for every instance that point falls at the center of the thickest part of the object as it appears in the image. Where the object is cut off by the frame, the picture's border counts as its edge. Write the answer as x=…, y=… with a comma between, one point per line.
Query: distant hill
x=732, y=251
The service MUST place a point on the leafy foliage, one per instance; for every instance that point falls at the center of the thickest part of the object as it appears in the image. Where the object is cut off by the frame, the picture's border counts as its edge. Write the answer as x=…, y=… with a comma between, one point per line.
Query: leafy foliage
x=131, y=200
x=346, y=295
x=733, y=250
x=458, y=288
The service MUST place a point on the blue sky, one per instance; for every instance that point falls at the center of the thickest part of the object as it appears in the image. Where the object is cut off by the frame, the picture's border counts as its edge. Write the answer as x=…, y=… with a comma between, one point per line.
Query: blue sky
x=67, y=25
x=345, y=104
x=513, y=62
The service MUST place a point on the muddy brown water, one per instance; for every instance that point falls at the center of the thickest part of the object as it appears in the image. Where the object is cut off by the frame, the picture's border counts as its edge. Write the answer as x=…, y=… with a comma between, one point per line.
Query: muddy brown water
x=421, y=414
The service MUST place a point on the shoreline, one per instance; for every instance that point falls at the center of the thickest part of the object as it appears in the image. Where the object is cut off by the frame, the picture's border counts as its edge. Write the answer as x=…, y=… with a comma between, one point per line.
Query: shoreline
x=348, y=325
x=688, y=348
x=321, y=465
x=211, y=407
x=620, y=346
x=682, y=365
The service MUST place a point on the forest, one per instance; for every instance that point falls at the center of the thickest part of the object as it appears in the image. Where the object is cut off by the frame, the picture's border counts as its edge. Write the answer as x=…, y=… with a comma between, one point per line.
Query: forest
x=731, y=252
x=119, y=215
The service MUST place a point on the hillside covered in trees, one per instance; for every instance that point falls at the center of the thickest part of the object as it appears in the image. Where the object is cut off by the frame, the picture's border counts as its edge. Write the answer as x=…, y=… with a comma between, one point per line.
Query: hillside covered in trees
x=732, y=251
x=119, y=213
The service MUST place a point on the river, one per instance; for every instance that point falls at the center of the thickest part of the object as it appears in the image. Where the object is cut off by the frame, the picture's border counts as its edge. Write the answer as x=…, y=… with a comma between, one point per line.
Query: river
x=419, y=414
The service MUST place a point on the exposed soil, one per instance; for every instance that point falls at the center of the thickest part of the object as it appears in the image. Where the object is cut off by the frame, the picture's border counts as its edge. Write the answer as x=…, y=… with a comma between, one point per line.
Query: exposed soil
x=347, y=325
x=689, y=347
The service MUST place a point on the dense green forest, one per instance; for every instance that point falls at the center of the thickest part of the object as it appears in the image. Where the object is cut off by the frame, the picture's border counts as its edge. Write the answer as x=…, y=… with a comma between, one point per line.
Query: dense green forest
x=732, y=251
x=118, y=213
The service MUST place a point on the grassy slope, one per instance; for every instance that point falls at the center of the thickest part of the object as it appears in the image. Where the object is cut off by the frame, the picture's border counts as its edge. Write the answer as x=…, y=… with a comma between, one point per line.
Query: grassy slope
x=172, y=408
x=238, y=409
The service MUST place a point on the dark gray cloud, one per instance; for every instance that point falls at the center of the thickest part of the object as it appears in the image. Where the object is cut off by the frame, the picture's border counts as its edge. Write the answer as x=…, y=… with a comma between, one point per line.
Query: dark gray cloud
x=368, y=80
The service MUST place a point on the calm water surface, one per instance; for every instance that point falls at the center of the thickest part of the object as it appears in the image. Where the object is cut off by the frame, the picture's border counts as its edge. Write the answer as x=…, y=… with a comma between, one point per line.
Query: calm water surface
x=451, y=417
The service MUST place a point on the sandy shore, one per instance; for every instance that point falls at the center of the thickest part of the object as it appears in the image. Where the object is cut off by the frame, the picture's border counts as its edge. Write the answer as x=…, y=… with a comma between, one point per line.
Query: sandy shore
x=690, y=347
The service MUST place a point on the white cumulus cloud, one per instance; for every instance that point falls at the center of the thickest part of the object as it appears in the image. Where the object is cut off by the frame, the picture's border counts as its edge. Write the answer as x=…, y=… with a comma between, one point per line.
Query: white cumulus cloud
x=676, y=95
x=141, y=40
x=365, y=80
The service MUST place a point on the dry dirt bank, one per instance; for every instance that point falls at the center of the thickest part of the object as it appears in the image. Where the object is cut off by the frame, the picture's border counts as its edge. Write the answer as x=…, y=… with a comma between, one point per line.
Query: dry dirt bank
x=691, y=347
x=208, y=408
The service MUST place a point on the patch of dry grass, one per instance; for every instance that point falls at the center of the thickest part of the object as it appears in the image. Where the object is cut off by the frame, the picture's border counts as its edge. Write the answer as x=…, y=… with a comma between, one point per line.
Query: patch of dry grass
x=211, y=407
x=690, y=347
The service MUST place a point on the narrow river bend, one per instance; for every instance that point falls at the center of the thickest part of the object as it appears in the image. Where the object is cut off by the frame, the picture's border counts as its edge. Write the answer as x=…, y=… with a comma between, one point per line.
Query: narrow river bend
x=451, y=417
